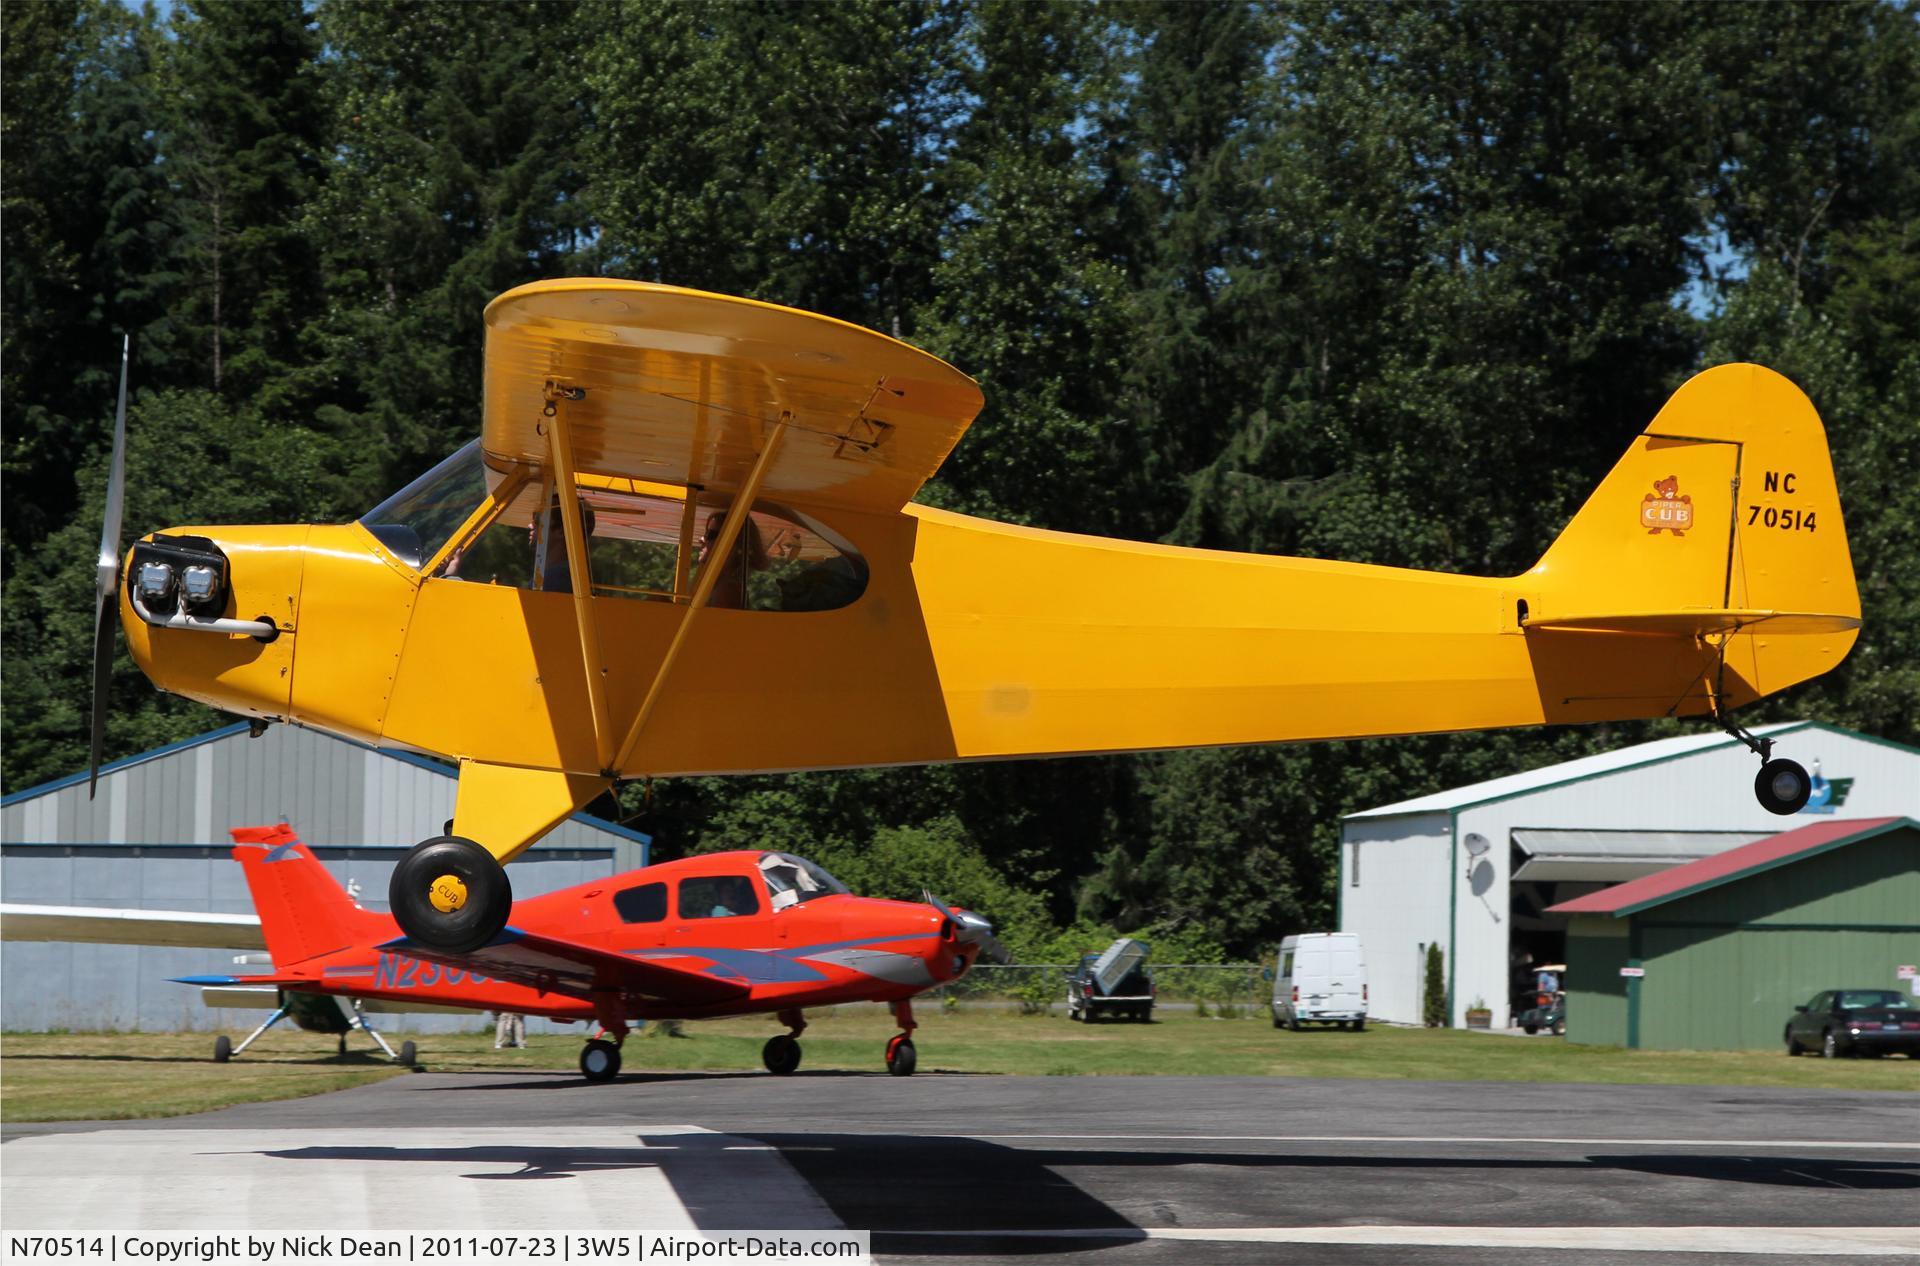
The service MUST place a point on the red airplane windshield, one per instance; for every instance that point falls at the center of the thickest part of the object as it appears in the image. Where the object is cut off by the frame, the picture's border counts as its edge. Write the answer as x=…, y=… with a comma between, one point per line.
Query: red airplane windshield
x=792, y=879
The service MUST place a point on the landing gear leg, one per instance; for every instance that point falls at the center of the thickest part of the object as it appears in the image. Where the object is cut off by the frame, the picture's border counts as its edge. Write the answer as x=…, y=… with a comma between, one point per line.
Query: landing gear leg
x=224, y=1050
x=781, y=1054
x=359, y=1021
x=1782, y=786
x=450, y=894
x=600, y=1059
x=901, y=1056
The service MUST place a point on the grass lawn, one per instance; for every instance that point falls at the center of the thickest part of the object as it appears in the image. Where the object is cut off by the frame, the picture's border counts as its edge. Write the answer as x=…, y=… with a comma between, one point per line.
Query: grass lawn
x=51, y=1077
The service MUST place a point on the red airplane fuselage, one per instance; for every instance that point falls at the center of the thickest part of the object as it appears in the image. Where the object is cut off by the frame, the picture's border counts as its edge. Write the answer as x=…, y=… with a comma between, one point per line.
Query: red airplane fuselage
x=717, y=935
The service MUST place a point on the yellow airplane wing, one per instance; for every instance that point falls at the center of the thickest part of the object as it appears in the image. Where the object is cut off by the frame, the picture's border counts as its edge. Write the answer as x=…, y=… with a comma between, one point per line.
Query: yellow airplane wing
x=681, y=386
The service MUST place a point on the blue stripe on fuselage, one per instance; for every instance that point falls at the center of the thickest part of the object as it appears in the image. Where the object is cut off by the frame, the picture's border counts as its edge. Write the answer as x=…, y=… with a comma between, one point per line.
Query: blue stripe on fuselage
x=771, y=967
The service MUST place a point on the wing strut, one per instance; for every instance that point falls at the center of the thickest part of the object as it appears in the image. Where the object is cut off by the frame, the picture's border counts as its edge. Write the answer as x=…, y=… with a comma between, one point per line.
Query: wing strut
x=560, y=448
x=703, y=588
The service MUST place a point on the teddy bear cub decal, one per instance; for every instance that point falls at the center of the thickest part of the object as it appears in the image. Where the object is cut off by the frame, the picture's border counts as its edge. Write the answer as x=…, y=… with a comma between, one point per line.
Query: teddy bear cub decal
x=1667, y=512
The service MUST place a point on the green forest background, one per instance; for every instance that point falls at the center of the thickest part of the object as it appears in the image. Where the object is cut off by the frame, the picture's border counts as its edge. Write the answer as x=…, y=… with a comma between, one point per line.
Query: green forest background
x=1388, y=283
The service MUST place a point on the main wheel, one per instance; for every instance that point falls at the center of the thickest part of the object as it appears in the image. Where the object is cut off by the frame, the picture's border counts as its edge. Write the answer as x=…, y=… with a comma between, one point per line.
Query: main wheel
x=781, y=1054
x=222, y=1049
x=450, y=894
x=600, y=1060
x=408, y=1053
x=901, y=1057
x=1782, y=787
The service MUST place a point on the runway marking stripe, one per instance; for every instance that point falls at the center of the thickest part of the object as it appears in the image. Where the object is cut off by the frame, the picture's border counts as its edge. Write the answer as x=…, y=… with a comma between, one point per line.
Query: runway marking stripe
x=1849, y=1144
x=1791, y=1241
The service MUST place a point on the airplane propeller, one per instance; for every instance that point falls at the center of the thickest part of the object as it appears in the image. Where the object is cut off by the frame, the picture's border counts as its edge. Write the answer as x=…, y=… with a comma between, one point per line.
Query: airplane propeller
x=107, y=578
x=971, y=929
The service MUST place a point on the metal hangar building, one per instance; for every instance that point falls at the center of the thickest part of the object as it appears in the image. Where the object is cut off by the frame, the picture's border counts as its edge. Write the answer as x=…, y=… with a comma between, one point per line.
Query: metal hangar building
x=155, y=837
x=1476, y=869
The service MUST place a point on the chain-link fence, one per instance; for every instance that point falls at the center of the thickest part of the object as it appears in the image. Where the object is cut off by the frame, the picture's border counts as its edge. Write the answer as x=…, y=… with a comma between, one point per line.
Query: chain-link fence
x=1226, y=988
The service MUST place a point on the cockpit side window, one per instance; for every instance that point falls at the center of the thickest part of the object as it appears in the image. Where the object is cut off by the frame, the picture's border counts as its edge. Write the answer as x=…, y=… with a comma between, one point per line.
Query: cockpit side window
x=646, y=903
x=781, y=560
x=718, y=897
x=792, y=880
x=644, y=541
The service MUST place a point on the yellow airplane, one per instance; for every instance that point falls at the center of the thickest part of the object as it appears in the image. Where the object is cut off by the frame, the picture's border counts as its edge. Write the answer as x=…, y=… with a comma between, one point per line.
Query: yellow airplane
x=684, y=543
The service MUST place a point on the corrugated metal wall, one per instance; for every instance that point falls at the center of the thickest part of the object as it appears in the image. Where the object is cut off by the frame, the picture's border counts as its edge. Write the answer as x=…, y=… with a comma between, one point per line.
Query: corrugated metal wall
x=156, y=838
x=1397, y=907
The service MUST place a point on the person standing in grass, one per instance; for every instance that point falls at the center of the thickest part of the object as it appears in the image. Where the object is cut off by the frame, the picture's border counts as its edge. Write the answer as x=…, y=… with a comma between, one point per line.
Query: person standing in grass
x=509, y=1029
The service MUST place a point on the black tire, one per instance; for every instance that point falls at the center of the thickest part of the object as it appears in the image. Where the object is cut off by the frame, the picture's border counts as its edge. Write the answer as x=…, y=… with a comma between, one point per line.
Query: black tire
x=1360, y=1025
x=1829, y=1046
x=408, y=1054
x=901, y=1057
x=222, y=1049
x=600, y=1060
x=1531, y=1029
x=781, y=1055
x=486, y=895
x=1782, y=787
x=1794, y=1049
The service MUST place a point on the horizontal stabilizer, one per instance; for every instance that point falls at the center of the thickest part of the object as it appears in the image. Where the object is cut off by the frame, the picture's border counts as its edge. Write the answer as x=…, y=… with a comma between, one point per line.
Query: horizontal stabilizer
x=552, y=965
x=92, y=925
x=1699, y=623
x=256, y=982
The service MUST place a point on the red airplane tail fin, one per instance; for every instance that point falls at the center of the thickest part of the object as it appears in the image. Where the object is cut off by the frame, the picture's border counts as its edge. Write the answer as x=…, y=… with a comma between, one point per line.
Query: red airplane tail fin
x=303, y=910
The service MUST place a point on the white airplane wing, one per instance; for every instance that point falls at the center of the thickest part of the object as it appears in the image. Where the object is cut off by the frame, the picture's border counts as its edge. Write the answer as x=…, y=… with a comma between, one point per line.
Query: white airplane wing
x=98, y=926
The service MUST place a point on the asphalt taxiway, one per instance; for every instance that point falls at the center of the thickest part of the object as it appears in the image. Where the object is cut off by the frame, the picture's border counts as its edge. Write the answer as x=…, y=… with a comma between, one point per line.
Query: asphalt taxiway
x=947, y=1167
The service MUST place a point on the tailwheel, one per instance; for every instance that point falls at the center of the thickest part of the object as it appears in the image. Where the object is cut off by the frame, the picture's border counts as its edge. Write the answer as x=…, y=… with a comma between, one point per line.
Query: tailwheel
x=1783, y=787
x=781, y=1054
x=901, y=1056
x=450, y=894
x=600, y=1060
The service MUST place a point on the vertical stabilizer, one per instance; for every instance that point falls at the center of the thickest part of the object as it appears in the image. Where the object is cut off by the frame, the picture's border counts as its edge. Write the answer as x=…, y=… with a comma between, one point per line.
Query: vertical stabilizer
x=303, y=909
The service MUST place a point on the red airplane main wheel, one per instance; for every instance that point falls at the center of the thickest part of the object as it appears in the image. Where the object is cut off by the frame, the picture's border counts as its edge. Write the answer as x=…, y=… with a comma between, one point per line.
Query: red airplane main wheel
x=901, y=1056
x=450, y=894
x=781, y=1054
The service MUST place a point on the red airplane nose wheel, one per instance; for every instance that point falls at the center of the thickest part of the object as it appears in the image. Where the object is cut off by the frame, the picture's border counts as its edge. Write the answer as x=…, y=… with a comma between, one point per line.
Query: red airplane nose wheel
x=901, y=1056
x=450, y=894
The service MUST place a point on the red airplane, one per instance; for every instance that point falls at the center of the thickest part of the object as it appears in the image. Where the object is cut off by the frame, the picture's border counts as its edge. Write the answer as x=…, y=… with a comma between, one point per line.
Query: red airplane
x=723, y=934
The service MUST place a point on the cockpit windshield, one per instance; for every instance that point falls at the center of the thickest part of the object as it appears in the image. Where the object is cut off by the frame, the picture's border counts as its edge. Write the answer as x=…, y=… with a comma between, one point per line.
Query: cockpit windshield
x=792, y=880
x=417, y=520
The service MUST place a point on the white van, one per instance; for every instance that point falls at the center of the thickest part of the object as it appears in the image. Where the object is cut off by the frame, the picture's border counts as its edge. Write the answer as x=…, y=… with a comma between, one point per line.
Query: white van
x=1320, y=979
